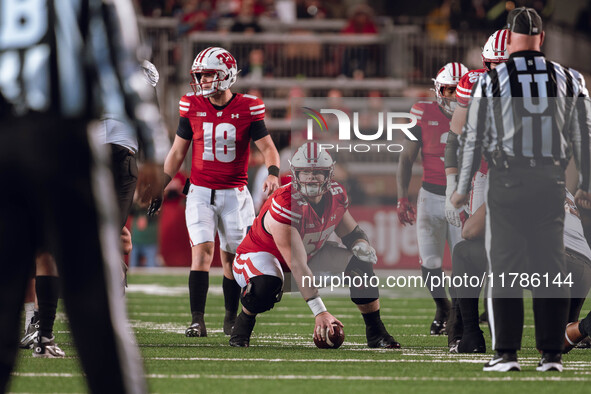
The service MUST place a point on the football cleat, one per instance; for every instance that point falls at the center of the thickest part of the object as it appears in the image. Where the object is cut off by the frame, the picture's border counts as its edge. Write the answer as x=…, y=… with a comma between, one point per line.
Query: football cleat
x=453, y=346
x=229, y=321
x=584, y=344
x=550, y=362
x=378, y=337
x=472, y=343
x=239, y=341
x=384, y=342
x=502, y=362
x=572, y=336
x=438, y=327
x=196, y=329
x=30, y=333
x=46, y=348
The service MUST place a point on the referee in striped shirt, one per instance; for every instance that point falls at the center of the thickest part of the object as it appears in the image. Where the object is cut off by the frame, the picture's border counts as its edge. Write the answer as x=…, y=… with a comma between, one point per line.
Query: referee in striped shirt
x=528, y=140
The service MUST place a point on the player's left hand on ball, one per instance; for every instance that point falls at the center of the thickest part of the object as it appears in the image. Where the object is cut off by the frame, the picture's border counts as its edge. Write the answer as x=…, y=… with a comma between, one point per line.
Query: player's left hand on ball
x=271, y=184
x=324, y=323
x=364, y=252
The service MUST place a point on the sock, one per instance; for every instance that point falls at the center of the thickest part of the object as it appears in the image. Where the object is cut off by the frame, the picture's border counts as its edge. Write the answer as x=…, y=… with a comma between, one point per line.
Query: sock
x=438, y=293
x=372, y=318
x=29, y=313
x=231, y=294
x=47, y=289
x=244, y=325
x=198, y=286
x=470, y=317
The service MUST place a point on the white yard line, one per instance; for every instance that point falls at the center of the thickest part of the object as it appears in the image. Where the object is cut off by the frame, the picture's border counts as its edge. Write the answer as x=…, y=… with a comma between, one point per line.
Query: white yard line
x=504, y=378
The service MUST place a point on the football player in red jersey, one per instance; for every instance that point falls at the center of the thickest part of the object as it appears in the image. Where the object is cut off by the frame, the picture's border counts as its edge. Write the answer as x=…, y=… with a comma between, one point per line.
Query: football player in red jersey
x=433, y=122
x=493, y=54
x=220, y=124
x=290, y=234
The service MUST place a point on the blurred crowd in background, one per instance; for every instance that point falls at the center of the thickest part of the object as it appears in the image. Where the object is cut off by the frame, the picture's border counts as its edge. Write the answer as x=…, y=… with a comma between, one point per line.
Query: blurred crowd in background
x=289, y=50
x=438, y=16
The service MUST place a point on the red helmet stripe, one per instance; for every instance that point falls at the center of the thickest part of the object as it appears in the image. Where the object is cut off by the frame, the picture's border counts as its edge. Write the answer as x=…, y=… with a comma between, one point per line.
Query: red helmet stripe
x=496, y=46
x=503, y=44
x=203, y=53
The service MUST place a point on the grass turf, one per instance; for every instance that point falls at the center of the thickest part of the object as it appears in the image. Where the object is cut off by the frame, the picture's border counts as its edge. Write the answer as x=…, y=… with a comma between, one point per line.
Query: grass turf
x=283, y=358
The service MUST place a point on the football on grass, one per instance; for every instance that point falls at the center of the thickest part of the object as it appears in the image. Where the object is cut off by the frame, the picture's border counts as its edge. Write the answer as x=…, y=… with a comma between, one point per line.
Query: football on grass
x=333, y=341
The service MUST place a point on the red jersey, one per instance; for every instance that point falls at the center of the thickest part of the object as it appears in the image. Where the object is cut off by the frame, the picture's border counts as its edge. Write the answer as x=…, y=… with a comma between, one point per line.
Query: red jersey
x=287, y=206
x=221, y=138
x=434, y=126
x=464, y=87
x=463, y=92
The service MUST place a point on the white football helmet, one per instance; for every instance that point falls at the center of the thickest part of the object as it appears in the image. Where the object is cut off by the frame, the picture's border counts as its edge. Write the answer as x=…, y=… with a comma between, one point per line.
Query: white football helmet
x=213, y=60
x=310, y=157
x=495, y=49
x=449, y=75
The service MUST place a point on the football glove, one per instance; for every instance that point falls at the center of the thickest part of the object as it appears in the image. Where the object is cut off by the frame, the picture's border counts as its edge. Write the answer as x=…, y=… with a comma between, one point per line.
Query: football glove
x=154, y=207
x=364, y=252
x=406, y=212
x=455, y=216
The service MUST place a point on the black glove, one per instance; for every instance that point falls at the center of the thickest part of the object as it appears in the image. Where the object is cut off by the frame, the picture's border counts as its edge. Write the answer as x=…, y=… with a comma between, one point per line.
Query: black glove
x=154, y=207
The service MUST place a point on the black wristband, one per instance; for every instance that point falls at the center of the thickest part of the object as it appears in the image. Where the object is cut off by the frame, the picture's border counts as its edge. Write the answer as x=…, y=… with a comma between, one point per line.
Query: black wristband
x=354, y=236
x=273, y=170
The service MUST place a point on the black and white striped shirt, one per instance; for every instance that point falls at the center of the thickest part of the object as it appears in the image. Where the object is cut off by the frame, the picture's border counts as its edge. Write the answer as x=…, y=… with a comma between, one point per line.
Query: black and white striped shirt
x=75, y=59
x=508, y=111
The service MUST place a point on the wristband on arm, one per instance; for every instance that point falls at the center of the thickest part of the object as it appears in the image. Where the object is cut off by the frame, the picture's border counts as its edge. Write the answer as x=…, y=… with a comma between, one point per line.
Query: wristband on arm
x=316, y=305
x=355, y=235
x=273, y=170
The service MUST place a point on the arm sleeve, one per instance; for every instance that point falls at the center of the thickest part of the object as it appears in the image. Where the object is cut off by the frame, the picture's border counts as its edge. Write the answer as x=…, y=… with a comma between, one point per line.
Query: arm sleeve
x=184, y=130
x=451, y=150
x=258, y=130
x=123, y=42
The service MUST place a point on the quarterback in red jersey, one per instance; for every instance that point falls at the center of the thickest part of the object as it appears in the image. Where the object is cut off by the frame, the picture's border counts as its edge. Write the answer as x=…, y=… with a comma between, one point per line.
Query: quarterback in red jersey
x=432, y=228
x=220, y=124
x=290, y=234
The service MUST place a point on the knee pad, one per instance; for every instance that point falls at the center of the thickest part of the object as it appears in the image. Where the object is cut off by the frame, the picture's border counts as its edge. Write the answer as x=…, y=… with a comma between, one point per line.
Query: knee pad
x=361, y=295
x=261, y=293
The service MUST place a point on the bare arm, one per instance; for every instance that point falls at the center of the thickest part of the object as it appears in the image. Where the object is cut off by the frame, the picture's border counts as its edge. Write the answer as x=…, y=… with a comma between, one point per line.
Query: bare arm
x=269, y=151
x=474, y=227
x=292, y=249
x=458, y=120
x=405, y=162
x=175, y=157
x=347, y=224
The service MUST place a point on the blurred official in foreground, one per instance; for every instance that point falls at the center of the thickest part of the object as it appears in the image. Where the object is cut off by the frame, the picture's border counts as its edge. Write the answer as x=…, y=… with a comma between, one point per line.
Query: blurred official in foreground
x=61, y=62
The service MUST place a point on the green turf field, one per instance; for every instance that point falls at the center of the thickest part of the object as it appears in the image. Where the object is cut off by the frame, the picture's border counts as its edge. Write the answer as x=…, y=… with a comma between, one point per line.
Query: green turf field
x=282, y=357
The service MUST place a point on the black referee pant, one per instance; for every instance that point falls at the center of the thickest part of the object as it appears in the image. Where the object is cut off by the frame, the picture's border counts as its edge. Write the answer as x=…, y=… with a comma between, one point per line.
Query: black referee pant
x=469, y=262
x=524, y=235
x=124, y=167
x=56, y=194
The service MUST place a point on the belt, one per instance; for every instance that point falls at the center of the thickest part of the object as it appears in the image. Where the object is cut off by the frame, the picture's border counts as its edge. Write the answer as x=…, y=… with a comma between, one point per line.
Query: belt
x=530, y=162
